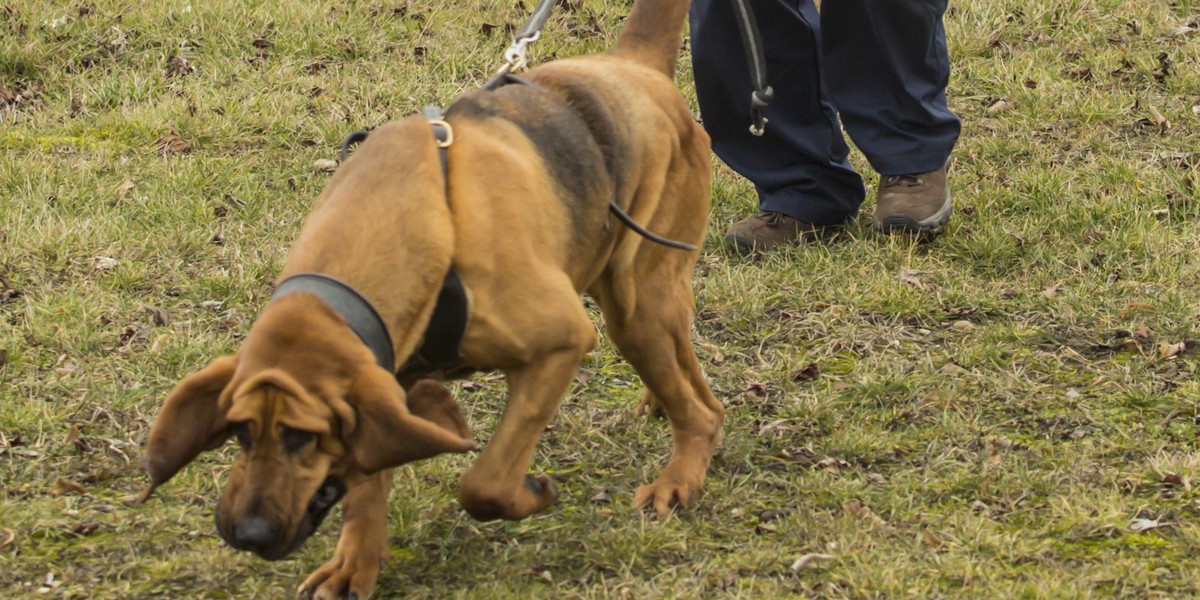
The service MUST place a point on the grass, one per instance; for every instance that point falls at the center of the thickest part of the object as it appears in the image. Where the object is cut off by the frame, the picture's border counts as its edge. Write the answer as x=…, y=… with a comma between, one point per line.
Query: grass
x=990, y=425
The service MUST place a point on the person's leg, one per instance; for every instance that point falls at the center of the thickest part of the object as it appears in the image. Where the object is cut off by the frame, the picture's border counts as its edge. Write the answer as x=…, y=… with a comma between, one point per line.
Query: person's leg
x=799, y=166
x=887, y=69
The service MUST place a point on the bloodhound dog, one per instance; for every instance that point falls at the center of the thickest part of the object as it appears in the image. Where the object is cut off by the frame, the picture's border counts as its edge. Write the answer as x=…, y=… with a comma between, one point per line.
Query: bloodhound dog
x=520, y=211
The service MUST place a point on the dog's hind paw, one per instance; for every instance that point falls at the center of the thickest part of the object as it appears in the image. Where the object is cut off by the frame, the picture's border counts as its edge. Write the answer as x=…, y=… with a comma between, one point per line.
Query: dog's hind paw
x=343, y=577
x=649, y=406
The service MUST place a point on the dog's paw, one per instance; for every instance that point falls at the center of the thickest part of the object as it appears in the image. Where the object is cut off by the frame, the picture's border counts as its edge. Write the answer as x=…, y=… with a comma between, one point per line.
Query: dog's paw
x=666, y=495
x=486, y=503
x=349, y=577
x=649, y=406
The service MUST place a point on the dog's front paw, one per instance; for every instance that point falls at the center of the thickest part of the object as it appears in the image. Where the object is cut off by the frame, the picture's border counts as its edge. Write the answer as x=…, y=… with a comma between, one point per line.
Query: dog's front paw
x=667, y=494
x=350, y=576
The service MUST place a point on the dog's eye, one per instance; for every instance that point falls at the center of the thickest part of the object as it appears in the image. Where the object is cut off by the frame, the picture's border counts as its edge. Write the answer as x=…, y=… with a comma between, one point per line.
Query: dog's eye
x=295, y=439
x=242, y=431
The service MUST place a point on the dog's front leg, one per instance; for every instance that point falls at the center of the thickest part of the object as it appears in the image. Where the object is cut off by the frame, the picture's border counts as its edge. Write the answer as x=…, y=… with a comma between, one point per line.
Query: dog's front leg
x=352, y=571
x=498, y=485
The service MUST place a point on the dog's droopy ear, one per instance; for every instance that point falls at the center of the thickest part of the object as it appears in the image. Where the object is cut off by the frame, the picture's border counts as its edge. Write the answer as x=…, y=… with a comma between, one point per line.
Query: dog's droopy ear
x=388, y=432
x=189, y=422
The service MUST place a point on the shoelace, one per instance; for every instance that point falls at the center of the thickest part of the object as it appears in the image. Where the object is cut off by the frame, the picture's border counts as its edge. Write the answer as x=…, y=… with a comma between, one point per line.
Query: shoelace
x=909, y=180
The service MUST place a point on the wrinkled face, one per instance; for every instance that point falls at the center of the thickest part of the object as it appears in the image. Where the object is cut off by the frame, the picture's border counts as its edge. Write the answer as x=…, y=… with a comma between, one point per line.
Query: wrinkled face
x=289, y=475
x=302, y=446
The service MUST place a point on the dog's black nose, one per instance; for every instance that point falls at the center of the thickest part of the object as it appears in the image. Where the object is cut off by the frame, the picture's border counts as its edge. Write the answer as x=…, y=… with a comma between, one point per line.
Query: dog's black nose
x=254, y=533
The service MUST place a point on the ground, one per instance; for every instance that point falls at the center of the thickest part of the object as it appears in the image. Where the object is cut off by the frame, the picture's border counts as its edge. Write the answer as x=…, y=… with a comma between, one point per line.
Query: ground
x=1008, y=409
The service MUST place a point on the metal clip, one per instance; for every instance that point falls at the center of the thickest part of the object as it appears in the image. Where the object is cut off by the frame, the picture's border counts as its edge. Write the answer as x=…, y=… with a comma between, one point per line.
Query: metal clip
x=449, y=133
x=517, y=54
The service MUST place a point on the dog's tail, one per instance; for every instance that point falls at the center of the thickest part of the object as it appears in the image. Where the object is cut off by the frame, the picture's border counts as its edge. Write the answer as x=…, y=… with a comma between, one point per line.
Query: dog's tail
x=653, y=34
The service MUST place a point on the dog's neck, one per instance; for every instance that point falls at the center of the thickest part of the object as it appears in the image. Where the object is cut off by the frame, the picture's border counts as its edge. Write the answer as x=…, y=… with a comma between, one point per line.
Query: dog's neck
x=383, y=227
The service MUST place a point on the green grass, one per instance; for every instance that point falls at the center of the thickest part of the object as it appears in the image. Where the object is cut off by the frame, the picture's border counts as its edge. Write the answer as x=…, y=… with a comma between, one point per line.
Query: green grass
x=993, y=432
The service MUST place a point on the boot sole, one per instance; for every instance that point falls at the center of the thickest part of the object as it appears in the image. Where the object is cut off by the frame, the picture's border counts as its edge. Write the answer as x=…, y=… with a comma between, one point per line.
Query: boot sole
x=905, y=223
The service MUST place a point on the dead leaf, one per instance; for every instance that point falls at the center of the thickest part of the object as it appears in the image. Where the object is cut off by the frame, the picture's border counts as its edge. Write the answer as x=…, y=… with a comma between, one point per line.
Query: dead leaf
x=104, y=263
x=931, y=540
x=1144, y=524
x=809, y=372
x=84, y=529
x=910, y=276
x=876, y=478
x=177, y=66
x=756, y=389
x=963, y=326
x=811, y=561
x=998, y=106
x=762, y=528
x=1169, y=350
x=324, y=165
x=7, y=537
x=171, y=144
x=159, y=315
x=125, y=187
x=1143, y=332
x=1133, y=307
x=66, y=486
x=261, y=43
x=603, y=497
x=3, y=357
x=1050, y=291
x=1158, y=119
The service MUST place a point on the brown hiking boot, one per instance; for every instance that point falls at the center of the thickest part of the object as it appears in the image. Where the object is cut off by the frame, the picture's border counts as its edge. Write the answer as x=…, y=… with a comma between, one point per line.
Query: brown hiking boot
x=913, y=203
x=768, y=230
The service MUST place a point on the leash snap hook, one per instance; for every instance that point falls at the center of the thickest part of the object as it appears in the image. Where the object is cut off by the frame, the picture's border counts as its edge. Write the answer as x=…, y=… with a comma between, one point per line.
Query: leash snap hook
x=517, y=54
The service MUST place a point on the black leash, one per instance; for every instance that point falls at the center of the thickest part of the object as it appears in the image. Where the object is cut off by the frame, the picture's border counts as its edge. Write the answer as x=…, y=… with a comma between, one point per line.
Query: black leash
x=763, y=94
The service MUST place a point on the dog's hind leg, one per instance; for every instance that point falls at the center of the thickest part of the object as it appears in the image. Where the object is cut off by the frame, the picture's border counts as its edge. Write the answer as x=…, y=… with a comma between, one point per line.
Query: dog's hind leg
x=355, y=565
x=498, y=485
x=655, y=337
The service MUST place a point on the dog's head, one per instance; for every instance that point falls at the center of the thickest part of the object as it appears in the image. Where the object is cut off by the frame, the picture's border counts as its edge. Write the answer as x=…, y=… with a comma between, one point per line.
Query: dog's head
x=306, y=431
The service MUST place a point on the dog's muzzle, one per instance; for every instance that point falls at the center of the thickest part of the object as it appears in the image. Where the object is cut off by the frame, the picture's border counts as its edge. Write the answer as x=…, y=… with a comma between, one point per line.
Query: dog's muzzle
x=260, y=536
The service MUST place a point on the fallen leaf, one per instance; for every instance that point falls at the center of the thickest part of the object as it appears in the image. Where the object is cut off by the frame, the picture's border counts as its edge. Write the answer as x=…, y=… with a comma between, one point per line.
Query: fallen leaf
x=1073, y=394
x=1143, y=332
x=211, y=304
x=910, y=276
x=159, y=315
x=3, y=357
x=963, y=326
x=84, y=529
x=125, y=187
x=7, y=537
x=324, y=165
x=771, y=514
x=1134, y=307
x=931, y=540
x=998, y=106
x=171, y=144
x=979, y=506
x=876, y=478
x=261, y=43
x=66, y=486
x=1144, y=524
x=602, y=497
x=177, y=66
x=811, y=561
x=761, y=528
x=756, y=389
x=809, y=372
x=1050, y=291
x=1168, y=350
x=103, y=263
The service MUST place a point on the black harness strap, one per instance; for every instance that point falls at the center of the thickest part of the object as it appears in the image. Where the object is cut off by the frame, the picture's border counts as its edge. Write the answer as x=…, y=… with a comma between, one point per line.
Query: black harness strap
x=358, y=312
x=443, y=336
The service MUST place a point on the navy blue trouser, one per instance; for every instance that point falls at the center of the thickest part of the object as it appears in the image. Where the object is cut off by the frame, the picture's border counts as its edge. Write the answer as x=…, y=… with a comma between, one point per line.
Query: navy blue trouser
x=881, y=64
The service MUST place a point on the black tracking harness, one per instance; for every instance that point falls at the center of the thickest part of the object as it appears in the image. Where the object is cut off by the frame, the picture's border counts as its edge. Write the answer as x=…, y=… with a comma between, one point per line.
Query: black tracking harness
x=439, y=350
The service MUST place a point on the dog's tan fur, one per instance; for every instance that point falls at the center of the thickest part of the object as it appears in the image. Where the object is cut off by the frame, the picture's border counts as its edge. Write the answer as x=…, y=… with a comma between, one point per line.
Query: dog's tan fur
x=526, y=224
